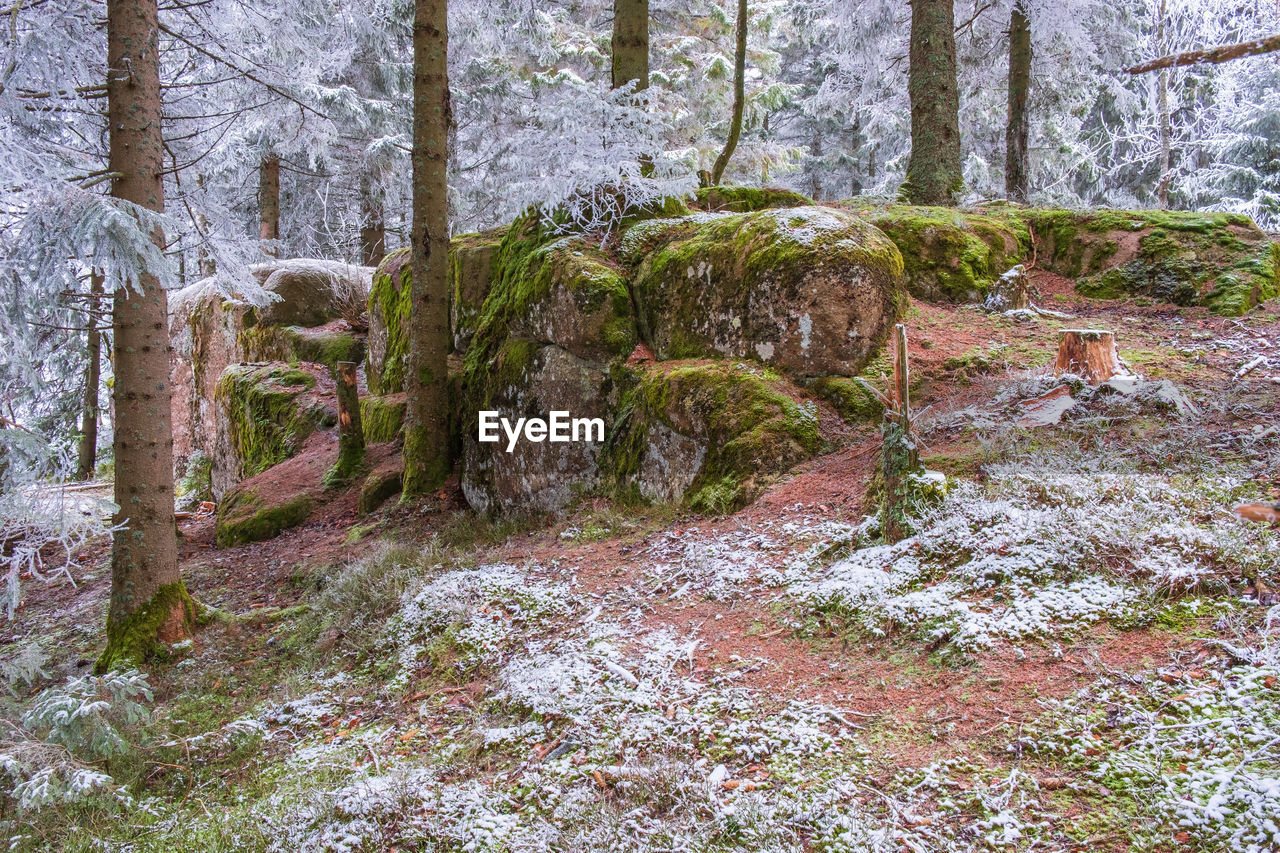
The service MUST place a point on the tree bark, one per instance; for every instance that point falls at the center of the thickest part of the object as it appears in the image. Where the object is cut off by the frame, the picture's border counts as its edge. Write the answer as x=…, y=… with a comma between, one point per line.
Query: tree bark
x=1017, y=130
x=87, y=452
x=934, y=174
x=1088, y=353
x=426, y=445
x=739, y=95
x=373, y=229
x=1214, y=55
x=900, y=459
x=630, y=43
x=350, y=429
x=148, y=602
x=1166, y=130
x=269, y=204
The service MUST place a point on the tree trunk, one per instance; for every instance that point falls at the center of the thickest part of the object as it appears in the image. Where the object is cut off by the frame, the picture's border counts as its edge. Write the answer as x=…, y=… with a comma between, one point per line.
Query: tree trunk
x=204, y=258
x=350, y=429
x=87, y=453
x=1017, y=130
x=426, y=443
x=934, y=173
x=1088, y=353
x=1215, y=55
x=1162, y=106
x=373, y=230
x=149, y=603
x=739, y=95
x=899, y=459
x=269, y=204
x=631, y=43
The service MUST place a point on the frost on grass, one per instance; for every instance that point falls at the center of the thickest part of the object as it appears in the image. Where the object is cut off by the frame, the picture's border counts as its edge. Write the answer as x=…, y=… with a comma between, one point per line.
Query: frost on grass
x=1040, y=548
x=1196, y=751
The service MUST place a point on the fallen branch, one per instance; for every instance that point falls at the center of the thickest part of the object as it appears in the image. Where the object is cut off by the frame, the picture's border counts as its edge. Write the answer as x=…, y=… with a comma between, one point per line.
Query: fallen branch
x=1223, y=53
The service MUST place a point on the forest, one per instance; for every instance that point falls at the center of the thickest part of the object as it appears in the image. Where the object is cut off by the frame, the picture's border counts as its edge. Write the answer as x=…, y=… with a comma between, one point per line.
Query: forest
x=806, y=426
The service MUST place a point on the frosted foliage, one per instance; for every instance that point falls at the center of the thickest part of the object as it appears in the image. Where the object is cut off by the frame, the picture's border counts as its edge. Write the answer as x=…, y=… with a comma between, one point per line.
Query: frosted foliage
x=1036, y=550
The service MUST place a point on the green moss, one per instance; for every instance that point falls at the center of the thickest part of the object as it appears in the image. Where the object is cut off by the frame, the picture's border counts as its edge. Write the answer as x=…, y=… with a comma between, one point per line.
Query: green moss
x=376, y=489
x=472, y=270
x=747, y=199
x=1252, y=282
x=136, y=638
x=695, y=278
x=244, y=516
x=389, y=302
x=951, y=254
x=294, y=344
x=751, y=427
x=381, y=418
x=267, y=418
x=853, y=401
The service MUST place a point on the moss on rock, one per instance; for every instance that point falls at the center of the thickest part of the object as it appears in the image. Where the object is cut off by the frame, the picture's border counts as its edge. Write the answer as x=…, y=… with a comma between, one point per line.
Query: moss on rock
x=389, y=300
x=708, y=433
x=472, y=269
x=849, y=398
x=809, y=289
x=246, y=516
x=377, y=488
x=747, y=199
x=268, y=413
x=949, y=254
x=296, y=343
x=382, y=418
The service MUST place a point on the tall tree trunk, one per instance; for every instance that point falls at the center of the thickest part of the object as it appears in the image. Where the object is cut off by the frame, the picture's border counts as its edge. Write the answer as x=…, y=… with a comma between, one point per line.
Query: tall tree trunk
x=87, y=452
x=1162, y=106
x=1017, y=130
x=631, y=43
x=204, y=258
x=148, y=600
x=739, y=95
x=426, y=431
x=269, y=204
x=934, y=173
x=373, y=228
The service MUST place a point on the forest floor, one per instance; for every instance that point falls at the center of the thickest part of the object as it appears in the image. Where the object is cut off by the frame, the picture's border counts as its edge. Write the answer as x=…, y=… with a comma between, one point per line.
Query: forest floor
x=1070, y=654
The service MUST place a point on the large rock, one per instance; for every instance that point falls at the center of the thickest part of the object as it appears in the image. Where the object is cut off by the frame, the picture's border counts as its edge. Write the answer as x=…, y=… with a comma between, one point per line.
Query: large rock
x=472, y=269
x=210, y=331
x=809, y=290
x=560, y=321
x=266, y=413
x=949, y=254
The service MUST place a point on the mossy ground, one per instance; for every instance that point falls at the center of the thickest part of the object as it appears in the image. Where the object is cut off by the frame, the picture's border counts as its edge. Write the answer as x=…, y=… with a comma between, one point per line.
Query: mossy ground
x=747, y=199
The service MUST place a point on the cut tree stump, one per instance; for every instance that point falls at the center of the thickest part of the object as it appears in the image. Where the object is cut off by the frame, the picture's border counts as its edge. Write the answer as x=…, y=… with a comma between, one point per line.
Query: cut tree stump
x=1088, y=353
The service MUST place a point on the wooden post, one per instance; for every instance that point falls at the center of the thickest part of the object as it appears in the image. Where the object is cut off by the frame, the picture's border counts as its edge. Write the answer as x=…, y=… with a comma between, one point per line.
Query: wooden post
x=350, y=430
x=899, y=456
x=1088, y=353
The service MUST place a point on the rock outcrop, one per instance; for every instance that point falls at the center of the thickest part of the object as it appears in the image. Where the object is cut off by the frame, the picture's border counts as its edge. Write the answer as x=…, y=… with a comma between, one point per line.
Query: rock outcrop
x=310, y=321
x=774, y=297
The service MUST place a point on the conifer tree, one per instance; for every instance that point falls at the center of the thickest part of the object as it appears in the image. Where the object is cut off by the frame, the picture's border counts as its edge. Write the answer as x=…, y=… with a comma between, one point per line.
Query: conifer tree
x=933, y=173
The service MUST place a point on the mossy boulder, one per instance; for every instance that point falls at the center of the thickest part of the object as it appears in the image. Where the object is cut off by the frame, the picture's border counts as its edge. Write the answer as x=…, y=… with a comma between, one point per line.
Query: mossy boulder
x=311, y=292
x=949, y=254
x=327, y=345
x=1221, y=260
x=709, y=434
x=747, y=199
x=247, y=514
x=473, y=266
x=526, y=379
x=266, y=412
x=809, y=290
x=849, y=398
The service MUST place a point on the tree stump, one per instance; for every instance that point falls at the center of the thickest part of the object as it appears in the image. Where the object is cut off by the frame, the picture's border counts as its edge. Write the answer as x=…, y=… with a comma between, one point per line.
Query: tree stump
x=1088, y=353
x=350, y=429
